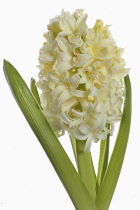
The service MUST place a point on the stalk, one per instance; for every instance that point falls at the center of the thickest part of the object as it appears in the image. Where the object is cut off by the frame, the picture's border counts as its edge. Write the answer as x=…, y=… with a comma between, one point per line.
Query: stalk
x=103, y=159
x=85, y=168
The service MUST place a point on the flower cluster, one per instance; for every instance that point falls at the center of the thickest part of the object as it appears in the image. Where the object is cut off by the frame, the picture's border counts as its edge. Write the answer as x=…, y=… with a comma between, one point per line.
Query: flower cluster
x=81, y=78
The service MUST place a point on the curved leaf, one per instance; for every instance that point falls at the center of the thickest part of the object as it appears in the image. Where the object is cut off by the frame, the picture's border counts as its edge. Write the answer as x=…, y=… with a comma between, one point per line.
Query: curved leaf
x=112, y=175
x=52, y=147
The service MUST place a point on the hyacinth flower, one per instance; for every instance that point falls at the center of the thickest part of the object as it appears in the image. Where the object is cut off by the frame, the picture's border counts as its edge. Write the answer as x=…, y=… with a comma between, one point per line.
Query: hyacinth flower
x=85, y=89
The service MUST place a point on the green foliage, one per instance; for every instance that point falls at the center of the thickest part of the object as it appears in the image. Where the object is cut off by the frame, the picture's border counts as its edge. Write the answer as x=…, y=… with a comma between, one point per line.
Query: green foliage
x=83, y=188
x=52, y=147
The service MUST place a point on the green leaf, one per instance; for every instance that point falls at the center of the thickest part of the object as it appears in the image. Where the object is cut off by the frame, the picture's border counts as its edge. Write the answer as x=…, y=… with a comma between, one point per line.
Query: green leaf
x=112, y=175
x=52, y=147
x=103, y=159
x=34, y=90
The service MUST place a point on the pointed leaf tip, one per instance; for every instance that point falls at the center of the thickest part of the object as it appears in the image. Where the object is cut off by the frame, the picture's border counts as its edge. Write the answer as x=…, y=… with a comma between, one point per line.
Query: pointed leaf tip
x=111, y=177
x=34, y=90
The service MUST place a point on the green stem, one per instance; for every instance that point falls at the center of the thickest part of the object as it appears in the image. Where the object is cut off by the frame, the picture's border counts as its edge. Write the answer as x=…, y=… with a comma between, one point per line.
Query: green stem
x=52, y=147
x=103, y=159
x=85, y=168
x=73, y=143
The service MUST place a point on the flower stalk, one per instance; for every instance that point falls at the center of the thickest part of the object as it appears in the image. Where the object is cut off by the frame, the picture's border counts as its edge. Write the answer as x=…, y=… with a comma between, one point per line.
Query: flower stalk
x=103, y=160
x=86, y=168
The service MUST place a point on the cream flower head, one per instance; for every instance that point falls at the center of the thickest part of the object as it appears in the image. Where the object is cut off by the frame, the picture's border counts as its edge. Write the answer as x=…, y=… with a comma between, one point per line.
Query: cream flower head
x=81, y=78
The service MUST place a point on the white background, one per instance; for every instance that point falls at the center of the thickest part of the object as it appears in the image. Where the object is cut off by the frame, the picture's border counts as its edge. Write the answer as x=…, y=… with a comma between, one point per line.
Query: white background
x=27, y=178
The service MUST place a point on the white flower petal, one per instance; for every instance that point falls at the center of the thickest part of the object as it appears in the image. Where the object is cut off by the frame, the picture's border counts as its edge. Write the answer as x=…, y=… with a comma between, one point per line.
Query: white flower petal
x=85, y=104
x=63, y=43
x=100, y=135
x=50, y=112
x=75, y=122
x=90, y=34
x=65, y=56
x=84, y=57
x=75, y=80
x=54, y=77
x=69, y=103
x=46, y=59
x=79, y=63
x=65, y=33
x=75, y=39
x=65, y=118
x=120, y=74
x=45, y=49
x=64, y=66
x=76, y=113
x=78, y=134
x=68, y=23
x=65, y=95
x=59, y=89
x=84, y=128
x=81, y=21
x=88, y=144
x=78, y=93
